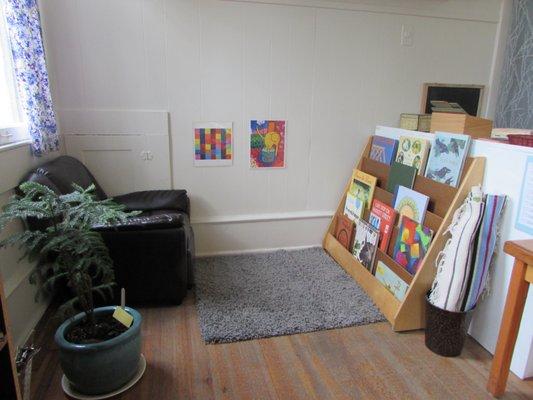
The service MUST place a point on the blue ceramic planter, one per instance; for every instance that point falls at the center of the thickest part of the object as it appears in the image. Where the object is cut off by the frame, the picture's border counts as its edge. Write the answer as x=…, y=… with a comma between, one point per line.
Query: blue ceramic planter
x=103, y=367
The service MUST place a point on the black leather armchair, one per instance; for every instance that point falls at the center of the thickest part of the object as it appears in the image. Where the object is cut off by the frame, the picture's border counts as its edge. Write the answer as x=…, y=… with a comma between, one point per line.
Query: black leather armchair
x=153, y=253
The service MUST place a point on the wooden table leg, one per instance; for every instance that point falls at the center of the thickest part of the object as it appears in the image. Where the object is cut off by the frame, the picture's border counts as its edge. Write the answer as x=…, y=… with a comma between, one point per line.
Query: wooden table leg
x=512, y=315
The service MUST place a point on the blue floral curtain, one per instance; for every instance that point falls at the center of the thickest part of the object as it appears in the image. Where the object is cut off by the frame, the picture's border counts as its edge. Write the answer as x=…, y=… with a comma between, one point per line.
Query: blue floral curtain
x=24, y=29
x=515, y=101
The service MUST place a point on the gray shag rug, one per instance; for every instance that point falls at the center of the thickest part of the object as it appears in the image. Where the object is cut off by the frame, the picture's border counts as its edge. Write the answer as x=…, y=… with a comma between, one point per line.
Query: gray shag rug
x=254, y=296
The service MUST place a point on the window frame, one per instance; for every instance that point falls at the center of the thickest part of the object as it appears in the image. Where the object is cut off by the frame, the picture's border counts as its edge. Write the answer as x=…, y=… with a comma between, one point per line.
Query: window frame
x=14, y=132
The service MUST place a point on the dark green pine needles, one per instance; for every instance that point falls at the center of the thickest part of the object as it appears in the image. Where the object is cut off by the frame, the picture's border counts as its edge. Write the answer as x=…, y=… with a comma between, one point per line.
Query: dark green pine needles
x=66, y=248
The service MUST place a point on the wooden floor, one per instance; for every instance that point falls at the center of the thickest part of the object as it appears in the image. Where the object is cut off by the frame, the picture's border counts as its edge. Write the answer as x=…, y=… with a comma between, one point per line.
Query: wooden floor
x=367, y=362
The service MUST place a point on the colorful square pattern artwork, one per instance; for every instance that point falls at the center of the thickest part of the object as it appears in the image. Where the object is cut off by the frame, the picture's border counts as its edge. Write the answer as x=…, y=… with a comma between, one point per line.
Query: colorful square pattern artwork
x=213, y=144
x=412, y=244
x=267, y=144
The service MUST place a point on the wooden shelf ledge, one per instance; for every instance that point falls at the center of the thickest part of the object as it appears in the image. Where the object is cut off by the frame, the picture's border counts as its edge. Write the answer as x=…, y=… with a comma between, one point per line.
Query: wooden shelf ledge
x=408, y=314
x=384, y=300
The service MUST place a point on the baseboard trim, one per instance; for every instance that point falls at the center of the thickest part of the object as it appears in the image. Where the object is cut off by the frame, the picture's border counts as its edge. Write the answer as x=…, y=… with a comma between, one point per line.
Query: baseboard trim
x=13, y=282
x=252, y=251
x=26, y=339
x=244, y=218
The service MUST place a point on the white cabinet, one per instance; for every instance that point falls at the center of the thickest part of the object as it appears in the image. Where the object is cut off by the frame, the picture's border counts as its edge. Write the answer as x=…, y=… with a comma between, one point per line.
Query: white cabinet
x=123, y=157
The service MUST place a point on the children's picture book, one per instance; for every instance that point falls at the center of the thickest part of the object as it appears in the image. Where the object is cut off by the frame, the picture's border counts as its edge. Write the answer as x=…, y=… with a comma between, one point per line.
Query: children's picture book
x=344, y=231
x=360, y=194
x=410, y=203
x=447, y=157
x=363, y=187
x=382, y=217
x=353, y=207
x=413, y=151
x=400, y=175
x=392, y=282
x=412, y=244
x=365, y=243
x=383, y=149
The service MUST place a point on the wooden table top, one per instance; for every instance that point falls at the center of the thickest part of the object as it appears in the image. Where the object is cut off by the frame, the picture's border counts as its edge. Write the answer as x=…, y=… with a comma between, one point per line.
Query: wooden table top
x=522, y=250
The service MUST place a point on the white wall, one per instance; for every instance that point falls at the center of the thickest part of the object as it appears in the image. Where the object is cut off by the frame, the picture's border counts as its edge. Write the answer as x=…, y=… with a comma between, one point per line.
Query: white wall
x=126, y=151
x=485, y=325
x=333, y=70
x=24, y=311
x=502, y=33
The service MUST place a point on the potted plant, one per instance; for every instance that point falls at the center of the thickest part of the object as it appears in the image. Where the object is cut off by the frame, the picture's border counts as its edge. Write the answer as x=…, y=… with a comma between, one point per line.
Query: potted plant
x=98, y=354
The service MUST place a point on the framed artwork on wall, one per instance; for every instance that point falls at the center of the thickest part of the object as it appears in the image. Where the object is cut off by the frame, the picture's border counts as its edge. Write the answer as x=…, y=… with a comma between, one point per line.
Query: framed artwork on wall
x=455, y=98
x=213, y=144
x=267, y=144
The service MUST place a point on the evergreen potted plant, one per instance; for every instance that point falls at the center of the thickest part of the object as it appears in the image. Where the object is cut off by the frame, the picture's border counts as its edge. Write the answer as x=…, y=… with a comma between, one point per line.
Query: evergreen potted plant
x=98, y=354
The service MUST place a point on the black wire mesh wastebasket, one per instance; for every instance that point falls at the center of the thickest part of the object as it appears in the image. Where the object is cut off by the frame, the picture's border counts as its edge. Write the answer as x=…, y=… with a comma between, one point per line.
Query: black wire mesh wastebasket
x=445, y=331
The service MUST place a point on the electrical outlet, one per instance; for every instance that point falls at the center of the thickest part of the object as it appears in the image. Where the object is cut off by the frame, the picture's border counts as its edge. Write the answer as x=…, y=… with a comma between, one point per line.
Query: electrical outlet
x=407, y=35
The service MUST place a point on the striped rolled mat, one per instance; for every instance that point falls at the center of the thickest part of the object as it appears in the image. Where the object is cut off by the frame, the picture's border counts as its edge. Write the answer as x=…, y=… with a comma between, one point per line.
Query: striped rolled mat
x=488, y=233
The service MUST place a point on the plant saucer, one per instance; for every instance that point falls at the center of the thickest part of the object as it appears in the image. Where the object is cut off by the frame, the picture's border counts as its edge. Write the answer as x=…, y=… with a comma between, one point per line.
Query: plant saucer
x=65, y=384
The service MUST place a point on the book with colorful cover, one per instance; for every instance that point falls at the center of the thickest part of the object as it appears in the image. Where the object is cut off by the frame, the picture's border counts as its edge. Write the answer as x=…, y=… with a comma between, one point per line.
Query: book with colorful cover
x=344, y=231
x=447, y=157
x=363, y=187
x=400, y=175
x=412, y=244
x=410, y=203
x=392, y=282
x=359, y=195
x=382, y=217
x=353, y=207
x=383, y=149
x=484, y=251
x=365, y=243
x=413, y=151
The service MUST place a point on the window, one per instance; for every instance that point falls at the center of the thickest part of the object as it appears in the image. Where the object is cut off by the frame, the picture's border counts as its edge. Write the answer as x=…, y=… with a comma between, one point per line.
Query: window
x=11, y=121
